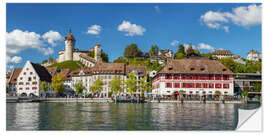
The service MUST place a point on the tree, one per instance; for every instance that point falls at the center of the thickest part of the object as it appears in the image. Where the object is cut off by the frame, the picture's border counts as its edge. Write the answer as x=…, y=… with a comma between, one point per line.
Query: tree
x=97, y=86
x=144, y=85
x=104, y=57
x=44, y=86
x=131, y=51
x=116, y=85
x=44, y=61
x=257, y=87
x=217, y=94
x=154, y=50
x=79, y=87
x=51, y=60
x=58, y=83
x=131, y=82
x=121, y=59
x=181, y=49
x=179, y=55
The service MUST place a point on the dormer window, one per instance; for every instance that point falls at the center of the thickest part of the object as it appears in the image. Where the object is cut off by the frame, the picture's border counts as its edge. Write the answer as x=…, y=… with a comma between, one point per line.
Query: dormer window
x=202, y=68
x=170, y=67
x=192, y=68
x=224, y=69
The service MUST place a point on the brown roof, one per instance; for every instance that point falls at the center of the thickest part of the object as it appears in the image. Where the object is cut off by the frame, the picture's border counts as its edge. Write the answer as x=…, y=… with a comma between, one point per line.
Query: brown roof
x=66, y=74
x=141, y=70
x=8, y=74
x=236, y=57
x=52, y=70
x=195, y=66
x=222, y=52
x=42, y=72
x=70, y=37
x=84, y=56
x=253, y=51
x=14, y=76
x=108, y=68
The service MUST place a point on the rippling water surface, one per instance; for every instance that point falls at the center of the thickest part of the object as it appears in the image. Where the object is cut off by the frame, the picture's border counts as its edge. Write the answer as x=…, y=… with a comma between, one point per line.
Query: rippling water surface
x=125, y=116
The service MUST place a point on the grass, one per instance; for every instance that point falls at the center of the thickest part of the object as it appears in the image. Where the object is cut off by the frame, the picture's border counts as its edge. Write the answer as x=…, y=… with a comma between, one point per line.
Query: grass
x=73, y=65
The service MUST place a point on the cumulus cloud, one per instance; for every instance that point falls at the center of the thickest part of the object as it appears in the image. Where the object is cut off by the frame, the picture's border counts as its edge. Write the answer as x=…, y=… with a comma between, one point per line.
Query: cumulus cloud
x=174, y=42
x=131, y=29
x=18, y=40
x=94, y=29
x=52, y=37
x=205, y=47
x=245, y=16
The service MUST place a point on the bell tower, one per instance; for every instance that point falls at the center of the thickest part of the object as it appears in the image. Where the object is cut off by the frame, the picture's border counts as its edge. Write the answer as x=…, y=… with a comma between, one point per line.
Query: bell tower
x=69, y=46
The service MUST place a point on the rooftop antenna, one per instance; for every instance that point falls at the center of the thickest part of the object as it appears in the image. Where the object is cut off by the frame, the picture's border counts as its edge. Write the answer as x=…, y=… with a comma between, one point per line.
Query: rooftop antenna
x=70, y=30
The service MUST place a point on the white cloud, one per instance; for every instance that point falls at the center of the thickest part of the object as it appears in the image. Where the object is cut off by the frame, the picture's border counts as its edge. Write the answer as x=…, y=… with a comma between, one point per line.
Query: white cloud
x=10, y=67
x=245, y=16
x=174, y=42
x=205, y=47
x=16, y=59
x=131, y=29
x=94, y=29
x=157, y=8
x=52, y=37
x=187, y=46
x=18, y=40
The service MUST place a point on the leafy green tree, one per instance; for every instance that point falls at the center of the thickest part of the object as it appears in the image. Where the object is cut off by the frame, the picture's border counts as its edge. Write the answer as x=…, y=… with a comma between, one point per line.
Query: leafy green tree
x=44, y=86
x=181, y=49
x=91, y=54
x=104, y=56
x=58, y=83
x=131, y=51
x=144, y=86
x=97, y=86
x=179, y=55
x=44, y=61
x=131, y=82
x=79, y=87
x=116, y=85
x=121, y=59
x=217, y=94
x=257, y=87
x=154, y=50
x=51, y=60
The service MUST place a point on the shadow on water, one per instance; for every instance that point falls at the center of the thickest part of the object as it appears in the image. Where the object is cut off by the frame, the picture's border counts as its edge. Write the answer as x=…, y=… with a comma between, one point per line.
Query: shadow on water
x=123, y=116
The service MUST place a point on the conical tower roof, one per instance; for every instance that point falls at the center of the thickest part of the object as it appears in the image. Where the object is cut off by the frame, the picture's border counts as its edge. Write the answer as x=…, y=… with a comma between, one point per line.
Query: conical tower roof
x=70, y=36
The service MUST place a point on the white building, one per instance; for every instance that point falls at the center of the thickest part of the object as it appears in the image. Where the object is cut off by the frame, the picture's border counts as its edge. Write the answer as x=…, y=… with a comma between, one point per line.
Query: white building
x=195, y=76
x=254, y=55
x=166, y=52
x=70, y=53
x=29, y=79
x=106, y=72
x=12, y=82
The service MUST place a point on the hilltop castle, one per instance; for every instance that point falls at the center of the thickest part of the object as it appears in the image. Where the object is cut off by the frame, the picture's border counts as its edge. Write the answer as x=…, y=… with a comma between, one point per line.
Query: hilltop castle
x=70, y=53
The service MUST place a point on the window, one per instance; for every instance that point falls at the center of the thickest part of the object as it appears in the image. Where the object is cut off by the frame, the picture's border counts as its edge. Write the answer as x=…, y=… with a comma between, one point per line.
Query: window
x=176, y=77
x=27, y=83
x=218, y=85
x=183, y=85
x=20, y=83
x=226, y=86
x=225, y=77
x=176, y=85
x=205, y=85
x=24, y=73
x=211, y=85
x=29, y=78
x=183, y=76
x=193, y=85
x=168, y=77
x=34, y=77
x=34, y=88
x=31, y=73
x=168, y=85
x=194, y=77
x=211, y=77
x=20, y=78
x=197, y=85
x=27, y=88
x=34, y=82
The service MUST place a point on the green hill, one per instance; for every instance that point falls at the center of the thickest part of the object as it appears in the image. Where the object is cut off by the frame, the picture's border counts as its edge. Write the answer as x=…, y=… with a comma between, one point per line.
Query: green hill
x=73, y=65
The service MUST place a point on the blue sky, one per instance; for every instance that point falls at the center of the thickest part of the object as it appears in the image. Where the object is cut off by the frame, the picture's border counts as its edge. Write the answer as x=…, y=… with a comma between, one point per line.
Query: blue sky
x=236, y=27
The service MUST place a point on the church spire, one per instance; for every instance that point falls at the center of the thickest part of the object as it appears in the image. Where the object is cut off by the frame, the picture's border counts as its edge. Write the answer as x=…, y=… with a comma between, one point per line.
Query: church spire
x=70, y=36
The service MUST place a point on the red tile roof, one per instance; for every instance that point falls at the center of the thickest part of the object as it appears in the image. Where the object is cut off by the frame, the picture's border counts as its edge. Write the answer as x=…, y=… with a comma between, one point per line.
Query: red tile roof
x=253, y=51
x=14, y=76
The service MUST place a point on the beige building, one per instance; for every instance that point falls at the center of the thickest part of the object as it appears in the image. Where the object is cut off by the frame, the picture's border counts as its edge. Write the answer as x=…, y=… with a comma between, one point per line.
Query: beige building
x=220, y=54
x=70, y=53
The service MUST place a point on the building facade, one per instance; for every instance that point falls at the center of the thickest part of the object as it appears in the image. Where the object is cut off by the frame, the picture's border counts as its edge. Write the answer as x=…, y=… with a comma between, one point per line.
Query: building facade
x=254, y=55
x=248, y=80
x=220, y=54
x=12, y=82
x=195, y=76
x=106, y=72
x=29, y=79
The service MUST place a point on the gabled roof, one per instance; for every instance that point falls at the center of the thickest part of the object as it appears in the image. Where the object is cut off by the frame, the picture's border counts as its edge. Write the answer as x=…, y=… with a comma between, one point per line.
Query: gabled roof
x=84, y=56
x=42, y=72
x=195, y=66
x=14, y=76
x=253, y=52
x=141, y=70
x=222, y=52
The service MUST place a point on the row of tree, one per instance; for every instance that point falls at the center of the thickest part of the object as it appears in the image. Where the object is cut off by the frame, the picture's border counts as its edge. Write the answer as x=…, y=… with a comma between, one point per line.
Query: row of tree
x=117, y=85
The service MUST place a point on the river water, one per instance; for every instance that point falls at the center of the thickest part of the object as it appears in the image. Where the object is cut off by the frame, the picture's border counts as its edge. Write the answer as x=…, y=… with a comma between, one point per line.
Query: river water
x=122, y=116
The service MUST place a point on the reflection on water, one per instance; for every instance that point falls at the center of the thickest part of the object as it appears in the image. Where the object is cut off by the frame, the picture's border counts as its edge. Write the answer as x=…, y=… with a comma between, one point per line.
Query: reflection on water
x=110, y=116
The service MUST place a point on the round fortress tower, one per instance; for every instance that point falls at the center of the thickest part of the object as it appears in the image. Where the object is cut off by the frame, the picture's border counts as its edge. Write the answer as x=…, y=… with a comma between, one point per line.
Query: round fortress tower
x=69, y=46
